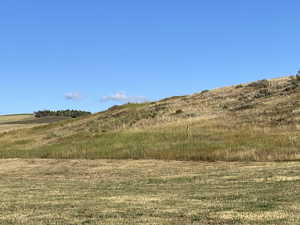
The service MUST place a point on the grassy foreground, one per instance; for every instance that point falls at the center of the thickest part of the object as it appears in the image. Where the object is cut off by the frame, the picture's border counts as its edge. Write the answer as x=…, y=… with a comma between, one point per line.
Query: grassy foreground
x=65, y=192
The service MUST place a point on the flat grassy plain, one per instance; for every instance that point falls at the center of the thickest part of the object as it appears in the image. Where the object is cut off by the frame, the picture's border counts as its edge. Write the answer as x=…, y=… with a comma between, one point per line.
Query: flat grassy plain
x=8, y=122
x=21, y=121
x=128, y=192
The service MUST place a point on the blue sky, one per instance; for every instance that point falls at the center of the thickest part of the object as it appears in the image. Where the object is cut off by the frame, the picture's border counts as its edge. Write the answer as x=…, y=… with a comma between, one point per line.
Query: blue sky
x=92, y=54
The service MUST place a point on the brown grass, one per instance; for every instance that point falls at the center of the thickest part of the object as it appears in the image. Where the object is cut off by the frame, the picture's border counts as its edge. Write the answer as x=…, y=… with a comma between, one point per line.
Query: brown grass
x=148, y=192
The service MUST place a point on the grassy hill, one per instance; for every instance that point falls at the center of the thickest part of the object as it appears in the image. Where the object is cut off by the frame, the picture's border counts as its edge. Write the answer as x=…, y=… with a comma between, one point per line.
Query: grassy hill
x=257, y=121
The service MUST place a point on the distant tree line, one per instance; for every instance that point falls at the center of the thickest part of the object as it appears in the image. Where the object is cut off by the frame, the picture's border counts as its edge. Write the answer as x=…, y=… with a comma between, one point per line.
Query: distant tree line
x=61, y=113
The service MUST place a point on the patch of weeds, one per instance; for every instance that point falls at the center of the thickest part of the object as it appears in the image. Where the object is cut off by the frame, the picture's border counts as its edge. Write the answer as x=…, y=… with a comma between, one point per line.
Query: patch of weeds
x=293, y=83
x=190, y=115
x=244, y=107
x=260, y=205
x=51, y=136
x=3, y=134
x=173, y=98
x=225, y=106
x=179, y=111
x=22, y=142
x=263, y=93
x=260, y=84
x=204, y=91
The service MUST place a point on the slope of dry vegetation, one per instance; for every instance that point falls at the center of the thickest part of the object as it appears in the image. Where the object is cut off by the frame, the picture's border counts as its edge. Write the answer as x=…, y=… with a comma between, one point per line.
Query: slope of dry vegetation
x=255, y=121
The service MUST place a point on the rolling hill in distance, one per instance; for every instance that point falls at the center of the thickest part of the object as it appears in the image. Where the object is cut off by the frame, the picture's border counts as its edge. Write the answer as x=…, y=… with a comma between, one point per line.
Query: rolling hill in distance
x=257, y=121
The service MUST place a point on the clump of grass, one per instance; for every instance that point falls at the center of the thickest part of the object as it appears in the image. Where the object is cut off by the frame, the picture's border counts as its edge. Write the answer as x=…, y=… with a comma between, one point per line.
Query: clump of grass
x=260, y=84
x=204, y=91
x=263, y=93
x=179, y=111
x=294, y=83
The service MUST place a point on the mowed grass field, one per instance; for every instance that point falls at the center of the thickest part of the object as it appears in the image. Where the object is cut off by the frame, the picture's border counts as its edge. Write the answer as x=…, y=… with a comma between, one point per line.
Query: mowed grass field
x=20, y=121
x=65, y=192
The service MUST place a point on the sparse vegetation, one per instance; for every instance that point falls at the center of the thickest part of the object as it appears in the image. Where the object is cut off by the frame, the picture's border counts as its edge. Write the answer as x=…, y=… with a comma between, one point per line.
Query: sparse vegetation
x=179, y=111
x=294, y=83
x=204, y=91
x=263, y=93
x=260, y=84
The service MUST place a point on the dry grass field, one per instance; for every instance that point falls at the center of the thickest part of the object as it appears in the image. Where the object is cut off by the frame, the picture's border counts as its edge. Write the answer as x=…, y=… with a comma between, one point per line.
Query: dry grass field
x=119, y=192
x=21, y=121
x=9, y=122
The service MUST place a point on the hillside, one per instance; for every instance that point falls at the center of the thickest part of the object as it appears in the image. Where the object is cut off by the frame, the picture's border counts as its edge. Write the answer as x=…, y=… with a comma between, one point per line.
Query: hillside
x=254, y=121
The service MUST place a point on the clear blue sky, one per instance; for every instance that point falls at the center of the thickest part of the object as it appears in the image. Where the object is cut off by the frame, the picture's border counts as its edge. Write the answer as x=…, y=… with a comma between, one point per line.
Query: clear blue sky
x=62, y=54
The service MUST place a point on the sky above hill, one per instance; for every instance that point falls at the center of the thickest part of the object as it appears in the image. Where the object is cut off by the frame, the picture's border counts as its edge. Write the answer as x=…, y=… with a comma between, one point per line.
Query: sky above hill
x=92, y=54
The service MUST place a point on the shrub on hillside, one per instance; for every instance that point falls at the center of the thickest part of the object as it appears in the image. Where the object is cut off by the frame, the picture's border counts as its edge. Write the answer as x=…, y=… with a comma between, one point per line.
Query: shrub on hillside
x=260, y=84
x=293, y=83
x=262, y=93
x=179, y=111
x=204, y=91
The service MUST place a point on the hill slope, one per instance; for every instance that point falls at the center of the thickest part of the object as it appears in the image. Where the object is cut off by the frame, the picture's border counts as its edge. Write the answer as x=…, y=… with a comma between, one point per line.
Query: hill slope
x=254, y=121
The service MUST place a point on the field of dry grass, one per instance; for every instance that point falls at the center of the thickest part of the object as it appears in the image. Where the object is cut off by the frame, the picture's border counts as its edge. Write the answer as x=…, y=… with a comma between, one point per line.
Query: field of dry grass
x=21, y=121
x=65, y=192
x=7, y=122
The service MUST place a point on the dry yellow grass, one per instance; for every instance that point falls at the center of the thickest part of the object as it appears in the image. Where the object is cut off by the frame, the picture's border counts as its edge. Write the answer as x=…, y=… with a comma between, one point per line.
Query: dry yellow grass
x=127, y=192
x=4, y=119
